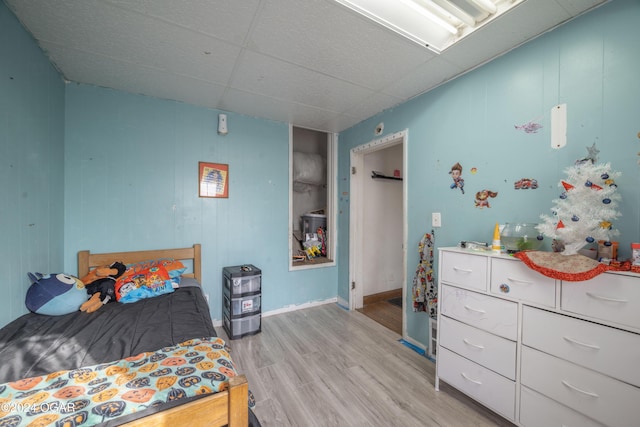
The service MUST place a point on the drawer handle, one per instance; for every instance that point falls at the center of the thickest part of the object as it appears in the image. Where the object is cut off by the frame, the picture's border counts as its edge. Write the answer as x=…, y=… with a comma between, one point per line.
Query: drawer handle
x=474, y=309
x=466, y=341
x=470, y=379
x=526, y=282
x=588, y=393
x=571, y=340
x=463, y=270
x=596, y=296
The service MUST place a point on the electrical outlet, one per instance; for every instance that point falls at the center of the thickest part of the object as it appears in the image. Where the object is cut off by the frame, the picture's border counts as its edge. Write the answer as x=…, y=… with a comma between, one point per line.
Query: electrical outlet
x=436, y=219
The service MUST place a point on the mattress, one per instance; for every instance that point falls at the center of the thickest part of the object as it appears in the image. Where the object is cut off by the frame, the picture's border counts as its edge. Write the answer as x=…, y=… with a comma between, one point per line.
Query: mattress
x=35, y=345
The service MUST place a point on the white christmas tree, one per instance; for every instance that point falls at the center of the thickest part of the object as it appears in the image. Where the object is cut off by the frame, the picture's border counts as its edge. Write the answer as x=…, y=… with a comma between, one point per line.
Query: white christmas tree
x=585, y=211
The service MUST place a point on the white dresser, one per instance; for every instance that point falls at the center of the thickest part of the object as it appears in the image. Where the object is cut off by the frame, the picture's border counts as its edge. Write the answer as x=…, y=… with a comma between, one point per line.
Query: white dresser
x=539, y=351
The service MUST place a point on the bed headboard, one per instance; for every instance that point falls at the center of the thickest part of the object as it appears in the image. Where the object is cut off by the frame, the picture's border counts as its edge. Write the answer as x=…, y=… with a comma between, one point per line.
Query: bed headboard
x=87, y=260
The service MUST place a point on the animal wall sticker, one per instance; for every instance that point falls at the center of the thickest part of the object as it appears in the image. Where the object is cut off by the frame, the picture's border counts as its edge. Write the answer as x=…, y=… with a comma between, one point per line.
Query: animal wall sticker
x=482, y=198
x=531, y=126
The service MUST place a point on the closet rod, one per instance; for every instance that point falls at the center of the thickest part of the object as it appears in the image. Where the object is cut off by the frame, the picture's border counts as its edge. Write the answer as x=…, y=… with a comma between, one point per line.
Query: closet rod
x=377, y=175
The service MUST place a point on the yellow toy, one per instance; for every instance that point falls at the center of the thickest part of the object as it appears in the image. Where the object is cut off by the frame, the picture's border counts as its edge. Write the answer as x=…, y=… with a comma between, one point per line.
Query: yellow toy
x=312, y=252
x=495, y=246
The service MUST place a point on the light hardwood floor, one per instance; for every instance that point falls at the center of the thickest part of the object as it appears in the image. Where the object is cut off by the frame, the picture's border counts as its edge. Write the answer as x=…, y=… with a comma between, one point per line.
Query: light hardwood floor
x=378, y=308
x=327, y=366
x=385, y=313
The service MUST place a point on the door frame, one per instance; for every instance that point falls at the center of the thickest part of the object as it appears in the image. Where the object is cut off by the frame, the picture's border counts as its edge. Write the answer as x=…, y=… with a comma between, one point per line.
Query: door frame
x=356, y=216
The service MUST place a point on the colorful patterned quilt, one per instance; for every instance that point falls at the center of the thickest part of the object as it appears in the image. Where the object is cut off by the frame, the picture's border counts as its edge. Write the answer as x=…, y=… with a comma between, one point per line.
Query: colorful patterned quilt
x=95, y=394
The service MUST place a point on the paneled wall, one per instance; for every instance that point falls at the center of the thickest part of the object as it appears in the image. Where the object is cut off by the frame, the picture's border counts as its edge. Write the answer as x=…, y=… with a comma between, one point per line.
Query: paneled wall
x=590, y=63
x=31, y=164
x=131, y=182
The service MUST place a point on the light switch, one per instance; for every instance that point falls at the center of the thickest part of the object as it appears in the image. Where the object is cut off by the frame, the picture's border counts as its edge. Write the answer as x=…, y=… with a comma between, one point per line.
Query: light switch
x=436, y=219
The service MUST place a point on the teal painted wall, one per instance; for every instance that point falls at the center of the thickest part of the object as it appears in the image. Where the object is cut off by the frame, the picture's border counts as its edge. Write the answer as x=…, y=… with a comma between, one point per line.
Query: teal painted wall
x=31, y=164
x=591, y=64
x=131, y=173
x=92, y=168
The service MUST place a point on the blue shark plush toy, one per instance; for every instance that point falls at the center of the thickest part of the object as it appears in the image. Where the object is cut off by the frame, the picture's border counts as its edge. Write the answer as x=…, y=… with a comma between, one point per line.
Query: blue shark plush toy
x=55, y=294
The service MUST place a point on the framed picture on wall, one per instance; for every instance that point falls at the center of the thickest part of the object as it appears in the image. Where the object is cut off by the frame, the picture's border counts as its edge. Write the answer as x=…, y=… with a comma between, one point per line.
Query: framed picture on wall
x=213, y=180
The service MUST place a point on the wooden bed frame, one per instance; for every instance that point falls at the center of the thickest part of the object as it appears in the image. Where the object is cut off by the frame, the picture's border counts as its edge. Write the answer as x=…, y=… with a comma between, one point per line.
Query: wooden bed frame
x=229, y=407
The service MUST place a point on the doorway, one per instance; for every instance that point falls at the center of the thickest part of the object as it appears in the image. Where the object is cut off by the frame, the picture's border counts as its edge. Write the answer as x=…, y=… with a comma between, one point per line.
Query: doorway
x=377, y=229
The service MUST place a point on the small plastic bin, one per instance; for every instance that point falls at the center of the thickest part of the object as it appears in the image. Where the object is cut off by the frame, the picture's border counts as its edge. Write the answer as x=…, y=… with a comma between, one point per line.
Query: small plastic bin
x=243, y=306
x=243, y=326
x=309, y=223
x=241, y=282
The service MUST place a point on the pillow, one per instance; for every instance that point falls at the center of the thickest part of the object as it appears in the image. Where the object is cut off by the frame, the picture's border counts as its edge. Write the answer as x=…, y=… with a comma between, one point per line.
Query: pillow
x=55, y=294
x=174, y=267
x=147, y=283
x=189, y=282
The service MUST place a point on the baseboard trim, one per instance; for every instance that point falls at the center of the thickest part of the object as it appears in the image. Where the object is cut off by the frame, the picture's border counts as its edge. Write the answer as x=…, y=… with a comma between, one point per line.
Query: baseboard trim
x=293, y=307
x=421, y=348
x=218, y=322
x=343, y=303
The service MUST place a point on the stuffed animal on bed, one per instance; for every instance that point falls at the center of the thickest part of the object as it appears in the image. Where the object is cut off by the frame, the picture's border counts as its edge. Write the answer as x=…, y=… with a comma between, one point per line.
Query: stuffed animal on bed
x=55, y=294
x=100, y=285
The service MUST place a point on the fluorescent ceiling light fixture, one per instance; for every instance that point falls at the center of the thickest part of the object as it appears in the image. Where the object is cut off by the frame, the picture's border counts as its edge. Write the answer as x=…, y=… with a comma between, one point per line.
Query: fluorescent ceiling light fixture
x=435, y=24
x=427, y=13
x=486, y=5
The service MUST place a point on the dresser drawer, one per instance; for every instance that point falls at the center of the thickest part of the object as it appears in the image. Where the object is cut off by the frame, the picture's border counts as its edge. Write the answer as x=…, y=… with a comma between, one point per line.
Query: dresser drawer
x=489, y=313
x=464, y=270
x=537, y=410
x=600, y=397
x=490, y=351
x=485, y=386
x=608, y=350
x=514, y=279
x=610, y=297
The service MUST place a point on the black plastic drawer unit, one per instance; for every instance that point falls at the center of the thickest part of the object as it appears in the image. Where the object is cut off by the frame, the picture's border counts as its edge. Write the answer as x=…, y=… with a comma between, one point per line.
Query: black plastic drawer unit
x=241, y=300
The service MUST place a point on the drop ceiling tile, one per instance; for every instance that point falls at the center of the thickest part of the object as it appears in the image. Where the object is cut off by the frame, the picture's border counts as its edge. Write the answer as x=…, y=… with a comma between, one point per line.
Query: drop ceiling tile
x=195, y=92
x=423, y=78
x=94, y=24
x=271, y=77
x=227, y=20
x=116, y=33
x=140, y=80
x=43, y=19
x=188, y=55
x=576, y=7
x=372, y=105
x=252, y=104
x=326, y=37
x=255, y=105
x=193, y=55
x=339, y=123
